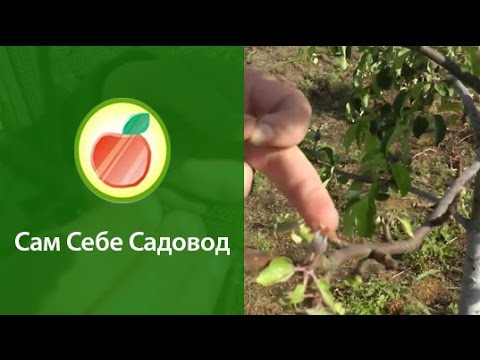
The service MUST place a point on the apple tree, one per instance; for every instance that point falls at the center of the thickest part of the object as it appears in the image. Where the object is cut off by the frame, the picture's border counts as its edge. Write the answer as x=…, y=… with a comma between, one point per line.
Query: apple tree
x=398, y=93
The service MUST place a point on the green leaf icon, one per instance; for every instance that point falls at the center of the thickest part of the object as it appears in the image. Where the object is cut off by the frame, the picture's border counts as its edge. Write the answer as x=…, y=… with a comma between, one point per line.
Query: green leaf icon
x=137, y=124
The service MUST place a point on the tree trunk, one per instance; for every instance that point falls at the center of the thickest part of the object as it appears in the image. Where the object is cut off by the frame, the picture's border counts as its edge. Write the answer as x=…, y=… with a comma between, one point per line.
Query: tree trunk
x=470, y=293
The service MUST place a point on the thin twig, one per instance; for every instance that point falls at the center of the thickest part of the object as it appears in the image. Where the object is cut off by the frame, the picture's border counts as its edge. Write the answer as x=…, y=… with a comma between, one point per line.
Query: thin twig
x=419, y=192
x=386, y=229
x=369, y=180
x=423, y=152
x=463, y=139
x=398, y=274
x=445, y=62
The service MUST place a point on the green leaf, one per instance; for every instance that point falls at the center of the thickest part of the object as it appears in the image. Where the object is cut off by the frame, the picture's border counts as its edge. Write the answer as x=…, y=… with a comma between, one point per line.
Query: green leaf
x=328, y=152
x=365, y=99
x=327, y=296
x=279, y=270
x=416, y=89
x=374, y=190
x=405, y=149
x=427, y=274
x=348, y=110
x=351, y=135
x=353, y=282
x=400, y=101
x=452, y=119
x=450, y=107
x=347, y=52
x=420, y=63
x=401, y=176
x=348, y=222
x=426, y=87
x=363, y=129
x=357, y=81
x=343, y=63
x=342, y=179
x=371, y=142
x=406, y=226
x=440, y=129
x=328, y=299
x=353, y=194
x=420, y=126
x=297, y=295
x=330, y=177
x=364, y=211
x=339, y=309
x=384, y=78
x=440, y=89
x=382, y=196
x=137, y=124
x=391, y=135
x=343, y=58
x=305, y=233
x=296, y=238
x=375, y=156
x=364, y=60
x=400, y=60
x=356, y=103
x=474, y=55
x=357, y=185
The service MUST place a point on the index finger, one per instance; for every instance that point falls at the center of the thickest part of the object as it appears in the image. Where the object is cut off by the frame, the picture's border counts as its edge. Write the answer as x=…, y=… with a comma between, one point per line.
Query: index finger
x=298, y=180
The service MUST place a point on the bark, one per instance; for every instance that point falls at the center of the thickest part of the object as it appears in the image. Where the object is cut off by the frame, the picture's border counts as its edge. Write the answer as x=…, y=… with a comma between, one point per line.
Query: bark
x=470, y=292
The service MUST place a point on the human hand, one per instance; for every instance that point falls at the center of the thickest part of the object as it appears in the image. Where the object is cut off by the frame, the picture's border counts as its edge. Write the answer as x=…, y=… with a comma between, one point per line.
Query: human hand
x=276, y=119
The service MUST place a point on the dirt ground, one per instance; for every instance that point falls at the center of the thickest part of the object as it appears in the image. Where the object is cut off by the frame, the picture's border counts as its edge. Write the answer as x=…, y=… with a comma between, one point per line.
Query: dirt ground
x=428, y=281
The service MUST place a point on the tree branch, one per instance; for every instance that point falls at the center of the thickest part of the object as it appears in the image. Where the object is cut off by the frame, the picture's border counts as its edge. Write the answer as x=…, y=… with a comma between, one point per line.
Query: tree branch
x=368, y=180
x=445, y=62
x=470, y=108
x=470, y=291
x=437, y=216
x=419, y=192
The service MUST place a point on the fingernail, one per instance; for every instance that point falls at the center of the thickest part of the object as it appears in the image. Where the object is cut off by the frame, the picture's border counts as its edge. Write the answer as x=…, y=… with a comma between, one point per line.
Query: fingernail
x=262, y=134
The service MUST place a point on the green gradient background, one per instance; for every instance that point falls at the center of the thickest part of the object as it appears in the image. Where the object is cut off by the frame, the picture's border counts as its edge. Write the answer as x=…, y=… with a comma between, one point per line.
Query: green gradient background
x=45, y=92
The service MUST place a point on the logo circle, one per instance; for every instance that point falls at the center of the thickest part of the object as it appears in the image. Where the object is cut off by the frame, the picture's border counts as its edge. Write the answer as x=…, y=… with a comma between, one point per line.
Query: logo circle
x=122, y=150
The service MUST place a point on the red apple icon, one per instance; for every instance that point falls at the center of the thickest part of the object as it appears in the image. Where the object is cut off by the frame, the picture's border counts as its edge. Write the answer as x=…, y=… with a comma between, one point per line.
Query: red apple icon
x=123, y=160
